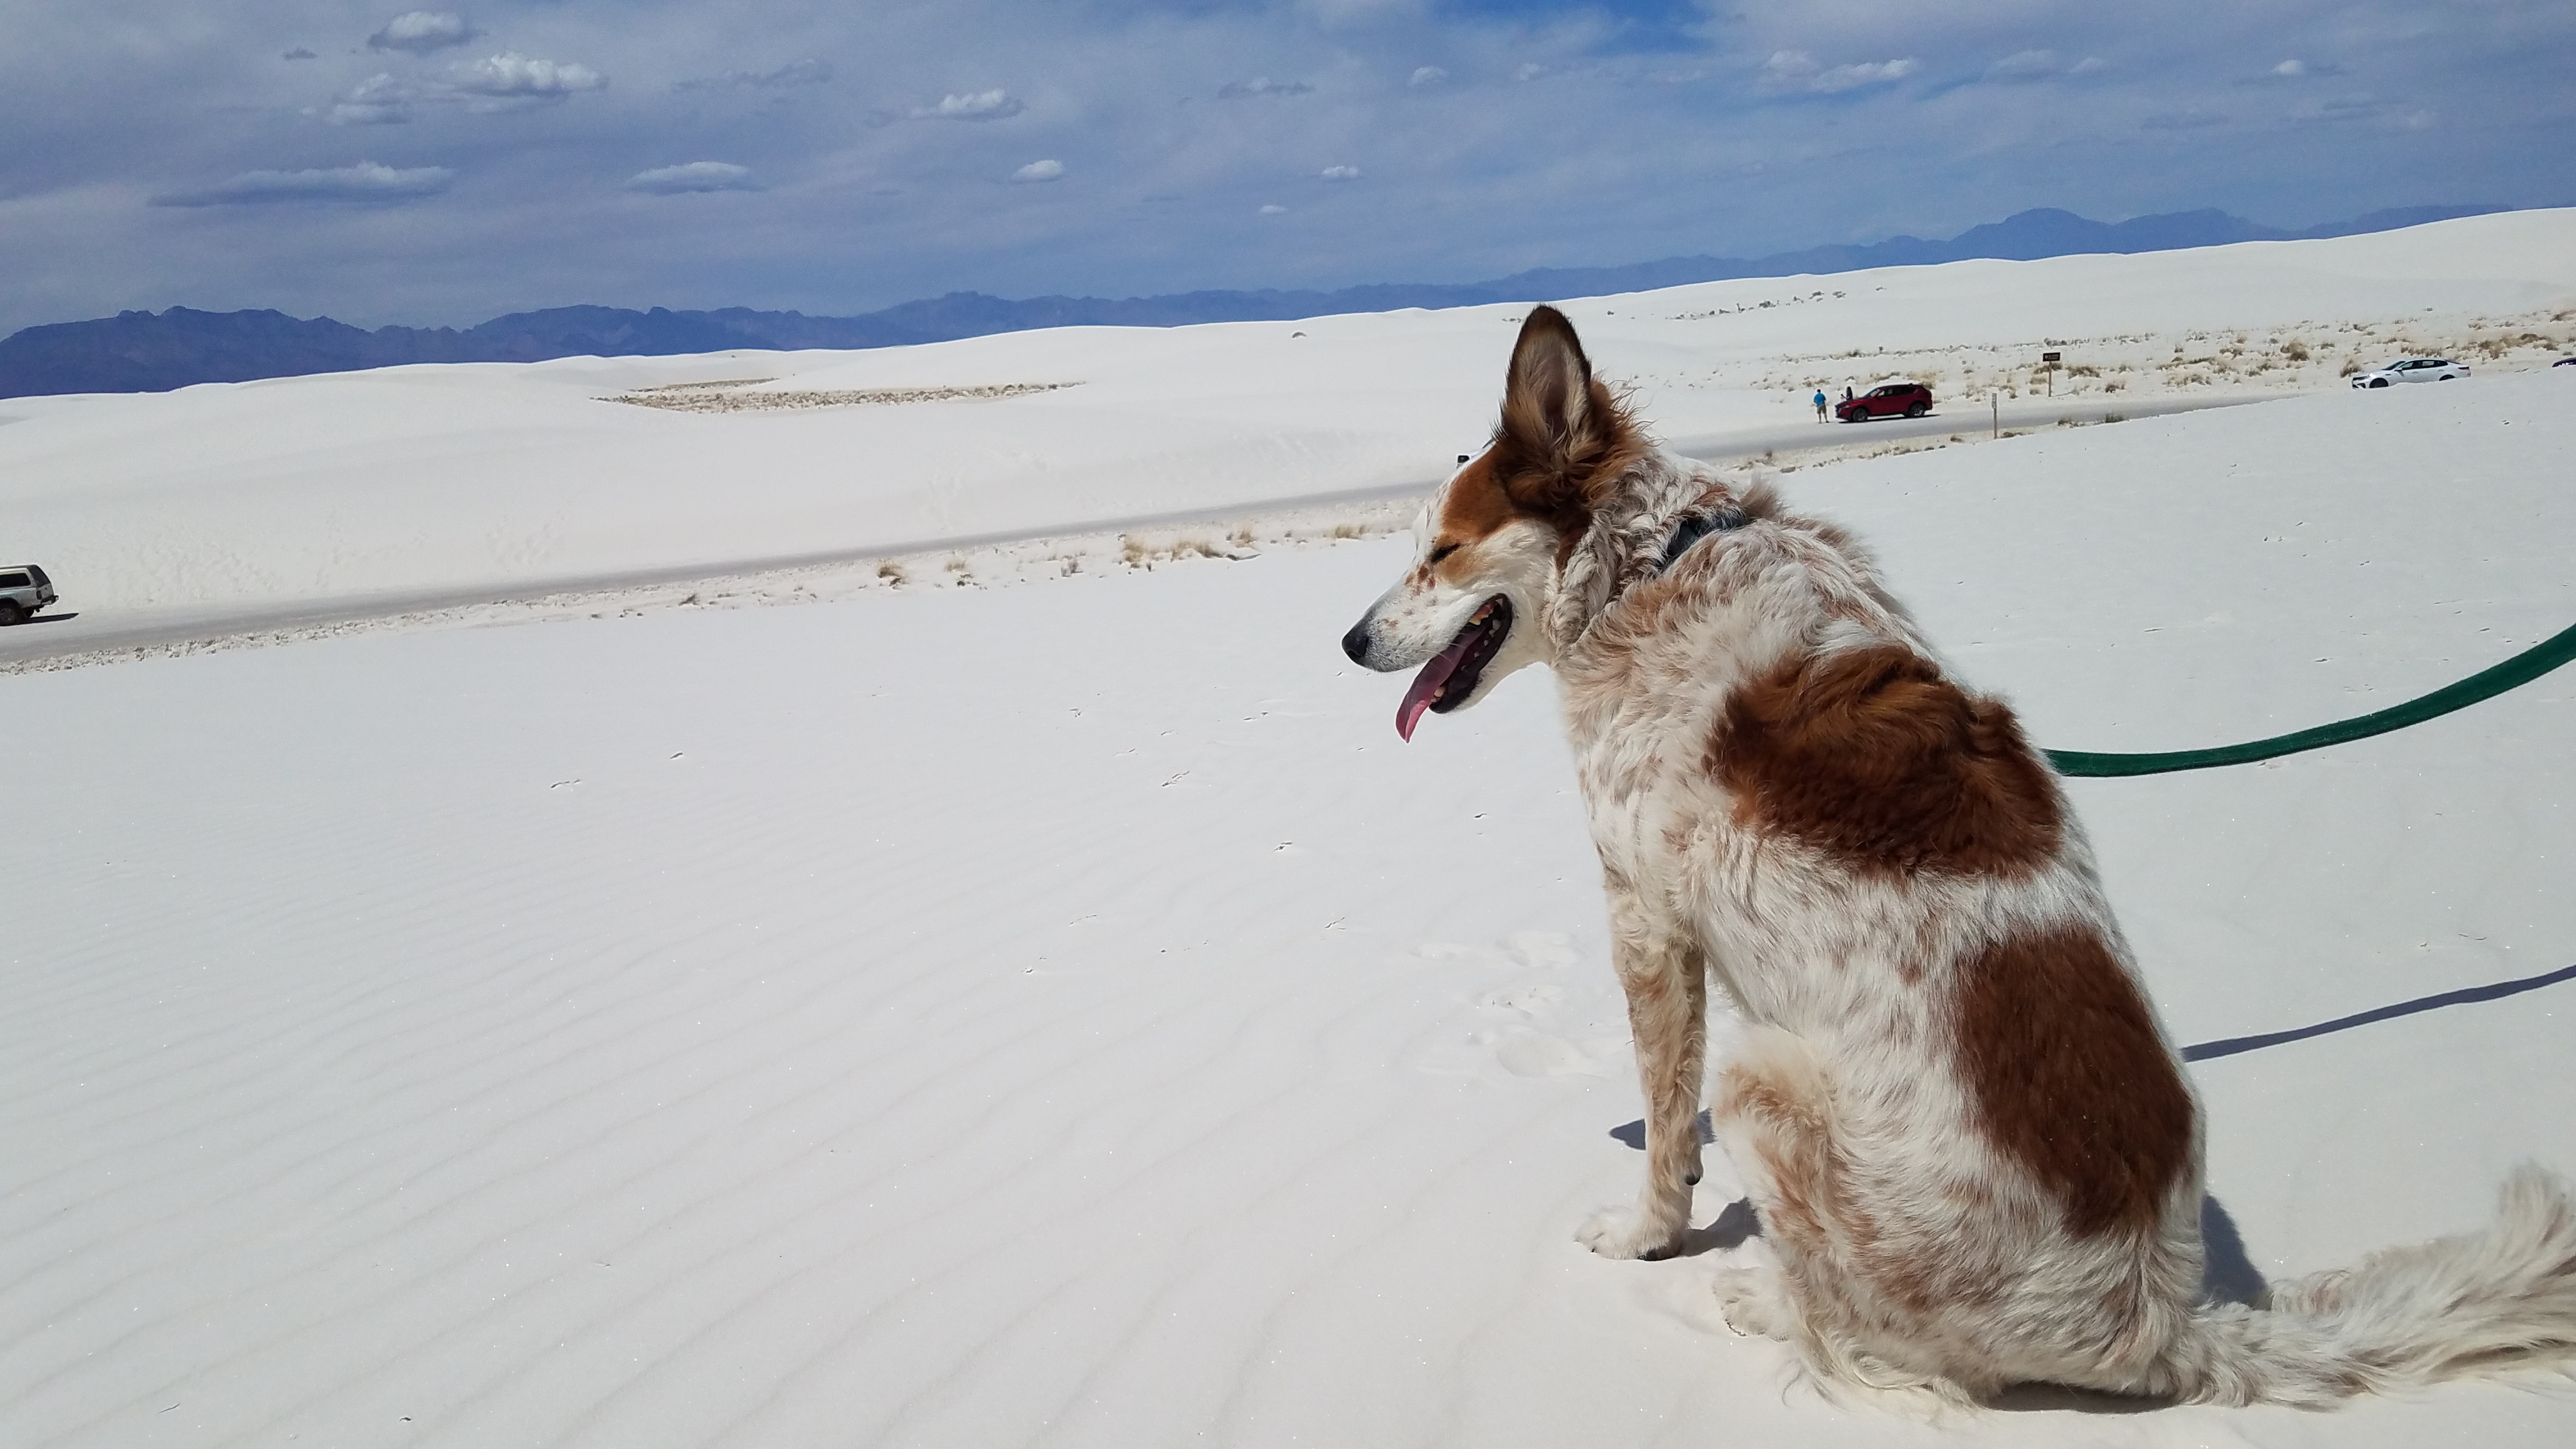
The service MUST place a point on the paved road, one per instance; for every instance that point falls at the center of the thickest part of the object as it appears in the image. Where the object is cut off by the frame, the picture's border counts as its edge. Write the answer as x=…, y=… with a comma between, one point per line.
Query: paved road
x=1971, y=419
x=71, y=632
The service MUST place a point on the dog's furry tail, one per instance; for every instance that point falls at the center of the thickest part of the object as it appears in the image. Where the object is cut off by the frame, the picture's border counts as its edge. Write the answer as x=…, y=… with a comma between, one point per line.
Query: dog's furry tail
x=2490, y=1301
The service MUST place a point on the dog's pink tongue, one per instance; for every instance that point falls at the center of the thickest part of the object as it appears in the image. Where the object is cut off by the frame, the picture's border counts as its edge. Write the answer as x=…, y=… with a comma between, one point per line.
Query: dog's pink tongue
x=1426, y=686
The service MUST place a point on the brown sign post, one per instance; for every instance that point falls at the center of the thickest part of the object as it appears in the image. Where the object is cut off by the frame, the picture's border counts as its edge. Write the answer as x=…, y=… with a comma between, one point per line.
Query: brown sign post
x=2051, y=359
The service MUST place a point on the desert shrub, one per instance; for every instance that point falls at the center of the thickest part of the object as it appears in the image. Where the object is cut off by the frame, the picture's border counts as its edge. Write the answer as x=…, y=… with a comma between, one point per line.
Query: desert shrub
x=2295, y=350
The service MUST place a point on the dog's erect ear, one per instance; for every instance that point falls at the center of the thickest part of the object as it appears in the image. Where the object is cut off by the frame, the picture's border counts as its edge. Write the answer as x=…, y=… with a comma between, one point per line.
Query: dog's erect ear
x=1547, y=395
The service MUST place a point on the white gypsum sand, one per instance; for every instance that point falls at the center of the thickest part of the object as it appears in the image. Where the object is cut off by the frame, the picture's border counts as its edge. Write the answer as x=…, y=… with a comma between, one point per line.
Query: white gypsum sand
x=992, y=564
x=340, y=492
x=1062, y=1014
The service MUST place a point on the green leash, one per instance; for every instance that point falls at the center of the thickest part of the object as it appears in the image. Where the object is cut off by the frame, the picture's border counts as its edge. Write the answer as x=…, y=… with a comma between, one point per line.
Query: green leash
x=2521, y=669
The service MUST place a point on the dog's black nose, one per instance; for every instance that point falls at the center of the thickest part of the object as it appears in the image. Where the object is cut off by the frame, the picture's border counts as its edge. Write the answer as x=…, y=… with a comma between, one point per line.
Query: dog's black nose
x=1356, y=642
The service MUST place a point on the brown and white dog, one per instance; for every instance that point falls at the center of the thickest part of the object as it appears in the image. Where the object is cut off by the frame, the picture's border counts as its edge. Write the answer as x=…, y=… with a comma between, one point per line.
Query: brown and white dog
x=1973, y=1151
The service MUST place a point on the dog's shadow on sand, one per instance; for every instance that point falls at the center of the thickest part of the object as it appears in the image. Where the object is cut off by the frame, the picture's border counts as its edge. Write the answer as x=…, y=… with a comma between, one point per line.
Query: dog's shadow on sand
x=1726, y=1232
x=2227, y=1276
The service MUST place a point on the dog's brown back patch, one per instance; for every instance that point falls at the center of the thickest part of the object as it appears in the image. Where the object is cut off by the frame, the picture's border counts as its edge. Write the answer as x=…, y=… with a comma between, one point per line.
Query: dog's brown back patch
x=2068, y=1077
x=1871, y=756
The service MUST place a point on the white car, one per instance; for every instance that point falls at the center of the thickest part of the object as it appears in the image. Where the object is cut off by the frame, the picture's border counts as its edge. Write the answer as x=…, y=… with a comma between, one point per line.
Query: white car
x=24, y=592
x=2412, y=369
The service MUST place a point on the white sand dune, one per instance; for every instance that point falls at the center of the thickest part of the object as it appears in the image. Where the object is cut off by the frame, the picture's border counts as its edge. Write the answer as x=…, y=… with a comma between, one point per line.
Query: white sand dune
x=238, y=497
x=1065, y=1015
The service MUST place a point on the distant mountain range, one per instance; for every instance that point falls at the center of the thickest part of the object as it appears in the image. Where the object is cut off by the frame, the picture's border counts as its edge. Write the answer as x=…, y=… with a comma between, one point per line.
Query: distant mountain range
x=147, y=352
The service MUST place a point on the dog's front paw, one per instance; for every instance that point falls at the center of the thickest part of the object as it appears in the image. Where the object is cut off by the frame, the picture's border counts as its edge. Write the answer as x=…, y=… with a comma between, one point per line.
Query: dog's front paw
x=1755, y=1302
x=1624, y=1232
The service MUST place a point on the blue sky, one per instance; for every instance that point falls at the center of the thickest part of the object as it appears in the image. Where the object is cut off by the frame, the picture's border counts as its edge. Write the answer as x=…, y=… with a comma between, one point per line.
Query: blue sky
x=446, y=164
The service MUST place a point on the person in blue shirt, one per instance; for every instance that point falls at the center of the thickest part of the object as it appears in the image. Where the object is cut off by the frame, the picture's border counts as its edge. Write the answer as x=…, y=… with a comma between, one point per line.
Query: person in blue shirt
x=1820, y=404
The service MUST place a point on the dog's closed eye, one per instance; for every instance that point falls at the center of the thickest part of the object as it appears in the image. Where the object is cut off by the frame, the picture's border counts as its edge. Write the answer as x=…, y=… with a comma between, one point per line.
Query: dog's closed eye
x=1443, y=551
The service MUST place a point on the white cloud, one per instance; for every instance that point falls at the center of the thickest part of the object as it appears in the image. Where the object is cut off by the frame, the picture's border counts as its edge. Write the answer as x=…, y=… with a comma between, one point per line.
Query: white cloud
x=422, y=31
x=2293, y=69
x=1797, y=70
x=990, y=105
x=694, y=176
x=379, y=100
x=1260, y=86
x=366, y=181
x=1039, y=171
x=794, y=73
x=1529, y=71
x=1868, y=73
x=1789, y=67
x=1341, y=173
x=2039, y=65
x=506, y=82
x=2025, y=65
x=1274, y=210
x=511, y=76
x=1427, y=75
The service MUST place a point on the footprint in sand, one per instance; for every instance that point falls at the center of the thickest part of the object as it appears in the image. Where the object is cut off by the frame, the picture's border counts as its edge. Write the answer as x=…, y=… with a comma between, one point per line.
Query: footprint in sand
x=1533, y=1054
x=1534, y=999
x=1563, y=1024
x=1542, y=950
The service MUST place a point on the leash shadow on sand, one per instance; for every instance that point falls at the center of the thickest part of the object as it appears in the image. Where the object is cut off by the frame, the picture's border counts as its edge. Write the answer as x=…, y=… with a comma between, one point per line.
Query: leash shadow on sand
x=2235, y=1045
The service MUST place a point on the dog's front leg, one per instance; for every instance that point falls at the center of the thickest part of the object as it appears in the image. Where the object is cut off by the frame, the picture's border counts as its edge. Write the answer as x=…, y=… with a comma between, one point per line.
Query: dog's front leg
x=1666, y=982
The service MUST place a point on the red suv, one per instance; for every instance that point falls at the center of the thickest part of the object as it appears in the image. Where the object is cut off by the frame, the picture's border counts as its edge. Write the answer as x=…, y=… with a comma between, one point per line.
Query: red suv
x=1887, y=400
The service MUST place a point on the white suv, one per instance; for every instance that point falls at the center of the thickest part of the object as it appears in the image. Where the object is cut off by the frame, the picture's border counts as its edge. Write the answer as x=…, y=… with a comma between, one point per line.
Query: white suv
x=2412, y=369
x=24, y=590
